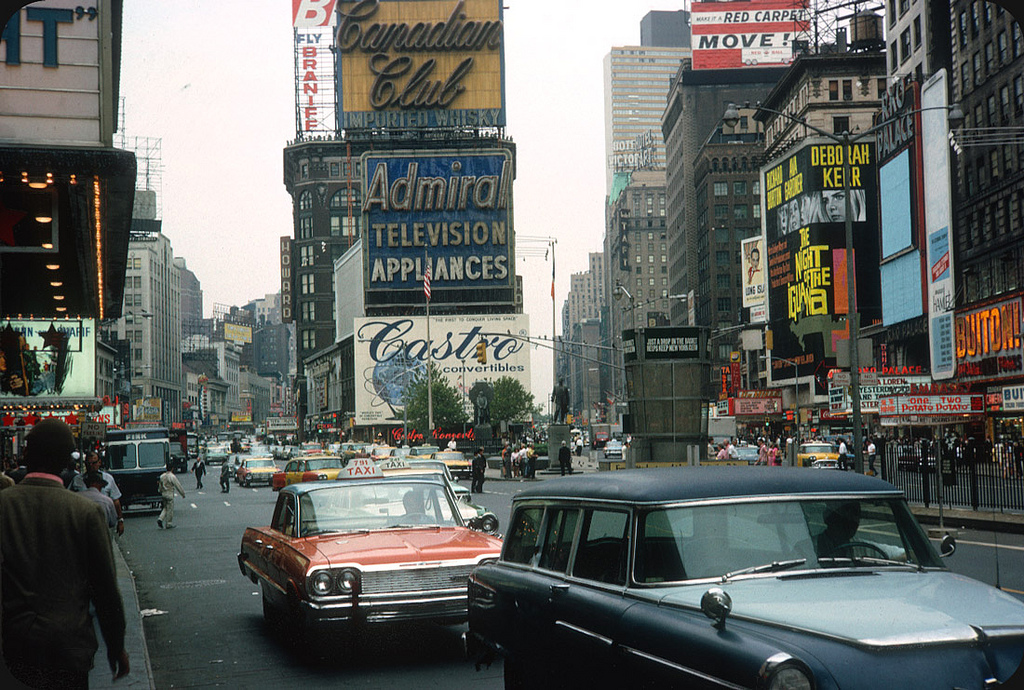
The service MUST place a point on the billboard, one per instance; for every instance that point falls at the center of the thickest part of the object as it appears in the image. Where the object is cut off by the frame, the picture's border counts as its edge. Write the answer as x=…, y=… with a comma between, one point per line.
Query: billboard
x=408, y=64
x=147, y=410
x=938, y=221
x=237, y=333
x=57, y=74
x=390, y=351
x=988, y=342
x=315, y=78
x=746, y=34
x=755, y=277
x=805, y=235
x=47, y=358
x=451, y=208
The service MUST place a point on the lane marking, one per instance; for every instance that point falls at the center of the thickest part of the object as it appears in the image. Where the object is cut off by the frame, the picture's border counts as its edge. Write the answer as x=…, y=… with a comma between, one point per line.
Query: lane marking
x=195, y=506
x=227, y=504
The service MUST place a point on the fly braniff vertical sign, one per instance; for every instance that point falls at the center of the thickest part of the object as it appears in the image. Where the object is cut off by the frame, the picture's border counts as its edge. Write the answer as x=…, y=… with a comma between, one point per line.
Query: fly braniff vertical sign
x=313, y=23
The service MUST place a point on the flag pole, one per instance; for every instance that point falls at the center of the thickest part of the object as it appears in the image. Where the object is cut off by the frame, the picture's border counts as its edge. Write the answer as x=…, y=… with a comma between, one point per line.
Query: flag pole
x=430, y=391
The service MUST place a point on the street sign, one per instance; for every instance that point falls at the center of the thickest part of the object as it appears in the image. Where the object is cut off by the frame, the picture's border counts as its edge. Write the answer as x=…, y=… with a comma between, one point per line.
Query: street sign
x=841, y=378
x=868, y=378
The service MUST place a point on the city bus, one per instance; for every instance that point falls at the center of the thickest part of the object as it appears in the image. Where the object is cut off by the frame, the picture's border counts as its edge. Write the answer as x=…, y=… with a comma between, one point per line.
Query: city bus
x=136, y=458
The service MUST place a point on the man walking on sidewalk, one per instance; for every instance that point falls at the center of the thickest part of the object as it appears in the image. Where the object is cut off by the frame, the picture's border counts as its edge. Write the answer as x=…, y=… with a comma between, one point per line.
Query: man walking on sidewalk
x=169, y=484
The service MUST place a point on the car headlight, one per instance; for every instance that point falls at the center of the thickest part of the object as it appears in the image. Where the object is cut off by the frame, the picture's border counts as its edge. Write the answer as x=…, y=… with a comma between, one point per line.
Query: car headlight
x=321, y=583
x=348, y=581
x=783, y=672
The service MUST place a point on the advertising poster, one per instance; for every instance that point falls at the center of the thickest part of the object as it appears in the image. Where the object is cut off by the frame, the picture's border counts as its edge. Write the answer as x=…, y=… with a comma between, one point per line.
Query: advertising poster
x=805, y=232
x=237, y=333
x=409, y=64
x=755, y=275
x=451, y=208
x=938, y=219
x=746, y=34
x=391, y=351
x=47, y=358
x=988, y=342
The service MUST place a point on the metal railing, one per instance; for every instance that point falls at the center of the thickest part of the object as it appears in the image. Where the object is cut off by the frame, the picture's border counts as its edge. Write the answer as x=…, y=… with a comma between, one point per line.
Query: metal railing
x=983, y=477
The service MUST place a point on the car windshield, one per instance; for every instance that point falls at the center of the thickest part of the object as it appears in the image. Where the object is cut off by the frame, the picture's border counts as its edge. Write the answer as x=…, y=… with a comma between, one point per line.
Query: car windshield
x=253, y=464
x=711, y=541
x=356, y=506
x=817, y=448
x=449, y=456
x=325, y=464
x=425, y=450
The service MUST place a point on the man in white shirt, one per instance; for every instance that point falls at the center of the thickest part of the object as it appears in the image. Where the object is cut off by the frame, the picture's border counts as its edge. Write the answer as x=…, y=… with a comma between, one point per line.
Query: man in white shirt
x=92, y=464
x=872, y=451
x=842, y=454
x=731, y=450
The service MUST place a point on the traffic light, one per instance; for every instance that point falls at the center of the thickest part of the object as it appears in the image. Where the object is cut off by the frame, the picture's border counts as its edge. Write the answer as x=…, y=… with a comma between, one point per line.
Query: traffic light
x=481, y=352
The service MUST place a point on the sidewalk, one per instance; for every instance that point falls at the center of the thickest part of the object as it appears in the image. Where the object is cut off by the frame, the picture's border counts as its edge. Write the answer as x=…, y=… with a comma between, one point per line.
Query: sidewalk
x=141, y=675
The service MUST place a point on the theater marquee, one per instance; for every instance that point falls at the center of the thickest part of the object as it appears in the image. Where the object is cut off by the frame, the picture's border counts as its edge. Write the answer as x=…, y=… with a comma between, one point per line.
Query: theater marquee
x=409, y=64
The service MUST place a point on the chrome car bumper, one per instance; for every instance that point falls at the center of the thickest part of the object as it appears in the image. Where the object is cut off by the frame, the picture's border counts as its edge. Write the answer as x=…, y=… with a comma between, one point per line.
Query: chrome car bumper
x=445, y=607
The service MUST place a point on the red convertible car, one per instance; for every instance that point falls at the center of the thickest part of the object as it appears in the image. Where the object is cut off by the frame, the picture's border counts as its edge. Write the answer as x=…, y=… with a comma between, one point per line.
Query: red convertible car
x=346, y=553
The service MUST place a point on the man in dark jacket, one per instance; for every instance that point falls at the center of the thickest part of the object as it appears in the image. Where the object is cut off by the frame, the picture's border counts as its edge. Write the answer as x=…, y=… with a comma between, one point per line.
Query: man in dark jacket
x=55, y=542
x=479, y=468
x=565, y=459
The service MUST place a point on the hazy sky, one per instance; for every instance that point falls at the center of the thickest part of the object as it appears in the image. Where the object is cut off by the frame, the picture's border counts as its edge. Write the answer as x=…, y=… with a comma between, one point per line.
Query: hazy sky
x=214, y=80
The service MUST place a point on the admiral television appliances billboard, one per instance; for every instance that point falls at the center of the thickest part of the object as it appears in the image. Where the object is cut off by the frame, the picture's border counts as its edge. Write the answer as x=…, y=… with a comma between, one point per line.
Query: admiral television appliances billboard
x=452, y=209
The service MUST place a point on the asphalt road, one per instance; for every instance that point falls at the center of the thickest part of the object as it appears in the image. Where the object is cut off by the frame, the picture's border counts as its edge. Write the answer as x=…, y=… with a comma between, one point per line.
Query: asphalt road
x=204, y=623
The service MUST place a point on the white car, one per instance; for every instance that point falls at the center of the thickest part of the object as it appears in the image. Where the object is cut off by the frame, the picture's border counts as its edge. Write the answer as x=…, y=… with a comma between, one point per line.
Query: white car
x=613, y=449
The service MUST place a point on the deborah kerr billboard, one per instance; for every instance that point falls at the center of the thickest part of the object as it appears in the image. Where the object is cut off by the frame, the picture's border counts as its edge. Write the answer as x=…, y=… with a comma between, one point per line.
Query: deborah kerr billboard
x=452, y=209
x=390, y=351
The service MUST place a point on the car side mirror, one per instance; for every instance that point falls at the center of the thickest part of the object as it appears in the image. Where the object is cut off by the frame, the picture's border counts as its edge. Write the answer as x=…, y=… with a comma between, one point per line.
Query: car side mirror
x=948, y=546
x=716, y=605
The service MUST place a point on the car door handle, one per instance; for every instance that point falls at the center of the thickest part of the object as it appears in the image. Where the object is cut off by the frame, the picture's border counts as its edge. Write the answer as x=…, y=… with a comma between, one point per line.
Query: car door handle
x=269, y=547
x=258, y=542
x=559, y=589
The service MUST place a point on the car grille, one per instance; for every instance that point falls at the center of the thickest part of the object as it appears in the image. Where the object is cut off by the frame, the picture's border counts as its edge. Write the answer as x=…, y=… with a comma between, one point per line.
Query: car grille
x=417, y=580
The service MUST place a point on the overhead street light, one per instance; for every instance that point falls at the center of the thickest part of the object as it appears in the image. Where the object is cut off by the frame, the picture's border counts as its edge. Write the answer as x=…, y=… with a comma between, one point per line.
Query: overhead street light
x=731, y=118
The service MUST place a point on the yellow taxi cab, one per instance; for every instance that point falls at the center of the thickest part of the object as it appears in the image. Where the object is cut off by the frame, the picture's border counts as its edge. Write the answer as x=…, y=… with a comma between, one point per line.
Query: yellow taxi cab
x=815, y=450
x=459, y=465
x=307, y=468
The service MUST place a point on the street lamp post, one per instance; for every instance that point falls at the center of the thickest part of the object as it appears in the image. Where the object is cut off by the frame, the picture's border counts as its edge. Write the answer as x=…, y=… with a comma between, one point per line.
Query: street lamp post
x=731, y=118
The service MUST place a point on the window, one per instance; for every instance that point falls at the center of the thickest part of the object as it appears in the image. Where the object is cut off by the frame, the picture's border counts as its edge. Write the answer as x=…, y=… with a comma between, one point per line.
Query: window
x=306, y=255
x=306, y=200
x=308, y=339
x=307, y=284
x=840, y=124
x=963, y=29
x=976, y=60
x=739, y=187
x=335, y=170
x=847, y=89
x=722, y=235
x=1018, y=94
x=721, y=211
x=724, y=304
x=755, y=211
x=756, y=187
x=990, y=57
x=602, y=553
x=739, y=212
x=1004, y=101
x=917, y=32
x=722, y=258
x=309, y=311
x=721, y=188
x=905, y=45
x=561, y=528
x=1016, y=40
x=521, y=544
x=965, y=77
x=1003, y=47
x=305, y=228
x=722, y=281
x=974, y=17
x=305, y=170
x=833, y=90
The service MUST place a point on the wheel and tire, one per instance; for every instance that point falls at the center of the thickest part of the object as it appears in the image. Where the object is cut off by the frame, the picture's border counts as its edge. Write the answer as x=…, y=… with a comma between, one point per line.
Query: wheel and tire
x=489, y=524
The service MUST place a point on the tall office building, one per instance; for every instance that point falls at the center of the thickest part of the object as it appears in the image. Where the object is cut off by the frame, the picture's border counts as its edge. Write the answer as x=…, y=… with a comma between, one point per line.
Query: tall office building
x=636, y=84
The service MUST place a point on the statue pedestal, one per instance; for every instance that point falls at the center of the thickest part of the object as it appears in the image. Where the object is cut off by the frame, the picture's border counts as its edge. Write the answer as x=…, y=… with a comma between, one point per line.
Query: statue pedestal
x=556, y=434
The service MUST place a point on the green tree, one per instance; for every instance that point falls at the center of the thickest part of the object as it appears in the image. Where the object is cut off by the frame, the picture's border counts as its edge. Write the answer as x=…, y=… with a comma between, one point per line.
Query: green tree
x=448, y=408
x=511, y=401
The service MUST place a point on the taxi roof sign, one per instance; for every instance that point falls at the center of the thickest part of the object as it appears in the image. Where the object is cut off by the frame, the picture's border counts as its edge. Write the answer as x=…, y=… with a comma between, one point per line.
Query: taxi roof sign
x=360, y=467
x=393, y=464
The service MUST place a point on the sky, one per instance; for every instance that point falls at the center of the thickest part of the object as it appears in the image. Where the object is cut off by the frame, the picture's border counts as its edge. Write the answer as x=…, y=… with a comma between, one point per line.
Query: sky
x=214, y=82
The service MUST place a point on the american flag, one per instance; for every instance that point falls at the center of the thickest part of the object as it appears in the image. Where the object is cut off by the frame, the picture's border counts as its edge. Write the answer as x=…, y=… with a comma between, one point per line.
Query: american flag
x=426, y=282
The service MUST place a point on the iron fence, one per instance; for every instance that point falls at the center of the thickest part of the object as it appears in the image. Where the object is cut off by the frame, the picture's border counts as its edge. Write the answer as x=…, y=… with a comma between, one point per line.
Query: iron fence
x=978, y=477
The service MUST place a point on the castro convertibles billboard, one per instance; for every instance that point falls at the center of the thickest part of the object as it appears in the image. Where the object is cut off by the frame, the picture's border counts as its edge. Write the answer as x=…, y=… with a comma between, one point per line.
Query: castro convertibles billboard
x=408, y=64
x=804, y=218
x=746, y=34
x=451, y=208
x=390, y=351
x=47, y=358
